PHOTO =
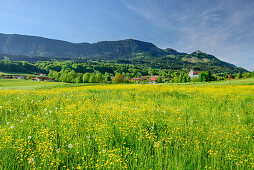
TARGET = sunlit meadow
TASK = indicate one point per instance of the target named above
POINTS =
(128, 126)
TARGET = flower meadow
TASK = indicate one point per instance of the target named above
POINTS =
(128, 127)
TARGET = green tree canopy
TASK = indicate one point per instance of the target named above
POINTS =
(86, 78)
(159, 80)
(92, 79)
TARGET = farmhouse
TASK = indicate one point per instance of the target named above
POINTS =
(44, 79)
(193, 73)
(20, 77)
(139, 78)
(153, 79)
(40, 78)
(42, 74)
(49, 79)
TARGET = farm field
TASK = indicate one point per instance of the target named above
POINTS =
(17, 84)
(128, 127)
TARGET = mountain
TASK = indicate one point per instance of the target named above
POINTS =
(15, 44)
(33, 48)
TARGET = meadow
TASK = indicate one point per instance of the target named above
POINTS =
(200, 126)
(23, 84)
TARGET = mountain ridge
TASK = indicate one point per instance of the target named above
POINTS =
(128, 49)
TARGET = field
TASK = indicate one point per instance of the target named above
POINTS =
(16, 84)
(200, 126)
(22, 84)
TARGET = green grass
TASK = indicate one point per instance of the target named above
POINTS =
(249, 81)
(128, 127)
(20, 84)
(17, 84)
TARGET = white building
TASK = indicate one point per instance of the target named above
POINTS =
(21, 77)
(193, 73)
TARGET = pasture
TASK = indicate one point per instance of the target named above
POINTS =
(128, 127)
(17, 84)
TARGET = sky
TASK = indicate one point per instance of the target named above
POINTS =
(223, 28)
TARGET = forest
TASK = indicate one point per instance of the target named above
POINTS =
(98, 71)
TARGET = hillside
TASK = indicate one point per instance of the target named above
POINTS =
(15, 44)
(32, 49)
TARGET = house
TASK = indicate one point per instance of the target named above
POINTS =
(44, 79)
(149, 79)
(7, 77)
(42, 74)
(153, 79)
(20, 77)
(40, 78)
(139, 79)
(193, 73)
(49, 79)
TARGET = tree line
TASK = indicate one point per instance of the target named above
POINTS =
(104, 71)
(70, 76)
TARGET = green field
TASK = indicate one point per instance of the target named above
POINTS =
(24, 84)
(191, 126)
(17, 84)
(30, 84)
(249, 81)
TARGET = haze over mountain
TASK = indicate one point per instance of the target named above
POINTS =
(129, 49)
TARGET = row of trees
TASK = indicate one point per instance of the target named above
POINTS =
(129, 70)
(240, 75)
(136, 69)
(207, 76)
(70, 76)
(103, 71)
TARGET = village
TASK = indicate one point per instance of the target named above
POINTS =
(154, 79)
(147, 79)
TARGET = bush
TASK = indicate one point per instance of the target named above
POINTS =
(118, 79)
(194, 79)
(159, 80)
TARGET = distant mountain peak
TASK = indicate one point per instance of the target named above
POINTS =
(198, 52)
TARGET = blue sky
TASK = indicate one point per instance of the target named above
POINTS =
(224, 28)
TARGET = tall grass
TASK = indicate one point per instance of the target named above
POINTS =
(128, 126)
